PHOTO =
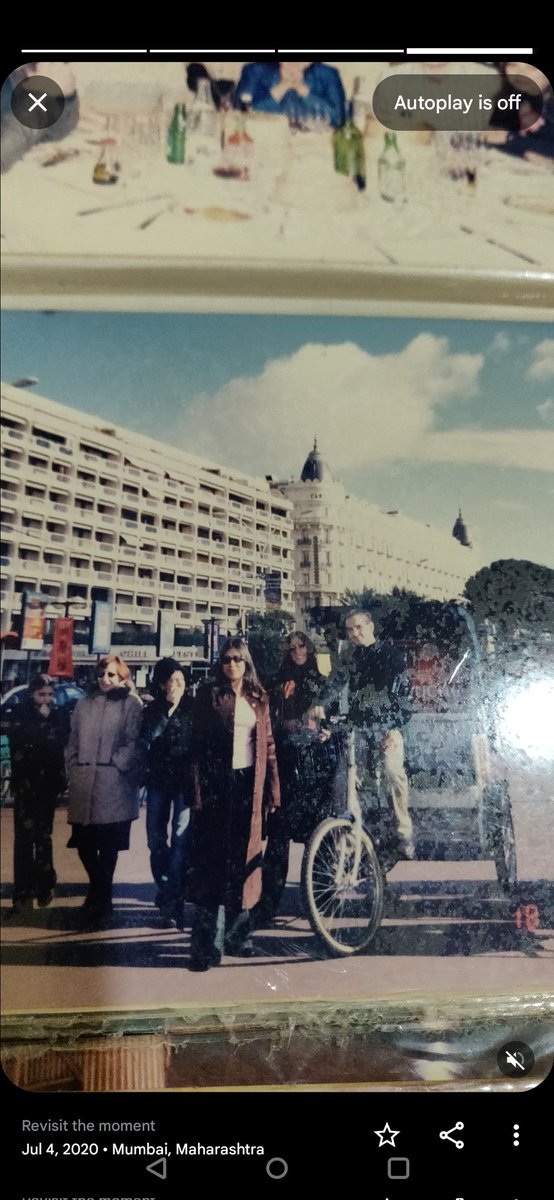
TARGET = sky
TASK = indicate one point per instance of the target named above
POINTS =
(427, 416)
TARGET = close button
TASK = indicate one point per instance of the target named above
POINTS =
(37, 102)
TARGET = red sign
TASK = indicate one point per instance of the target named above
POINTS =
(61, 656)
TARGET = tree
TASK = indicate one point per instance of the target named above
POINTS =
(266, 638)
(514, 595)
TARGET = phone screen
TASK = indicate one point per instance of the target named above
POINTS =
(277, 619)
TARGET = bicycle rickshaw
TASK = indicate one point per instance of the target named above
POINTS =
(460, 808)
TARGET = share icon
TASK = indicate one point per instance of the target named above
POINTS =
(445, 1135)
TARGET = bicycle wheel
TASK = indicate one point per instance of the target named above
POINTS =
(344, 904)
(501, 834)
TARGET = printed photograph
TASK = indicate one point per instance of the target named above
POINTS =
(277, 162)
(277, 684)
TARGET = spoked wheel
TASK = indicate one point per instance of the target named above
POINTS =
(501, 835)
(342, 885)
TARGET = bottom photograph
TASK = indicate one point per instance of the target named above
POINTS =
(277, 674)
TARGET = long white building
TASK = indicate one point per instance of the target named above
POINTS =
(93, 511)
(342, 543)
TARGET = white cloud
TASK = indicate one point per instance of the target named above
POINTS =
(527, 449)
(542, 366)
(364, 408)
(500, 342)
(546, 411)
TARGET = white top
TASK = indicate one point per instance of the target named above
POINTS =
(243, 735)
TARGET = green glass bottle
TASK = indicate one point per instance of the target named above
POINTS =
(176, 135)
(349, 151)
(392, 172)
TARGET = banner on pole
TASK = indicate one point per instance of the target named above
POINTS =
(61, 655)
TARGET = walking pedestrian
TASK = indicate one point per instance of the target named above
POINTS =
(233, 753)
(37, 742)
(104, 764)
(166, 739)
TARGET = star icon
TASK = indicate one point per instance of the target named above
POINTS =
(387, 1135)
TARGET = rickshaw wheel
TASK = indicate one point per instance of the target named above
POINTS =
(344, 911)
(501, 835)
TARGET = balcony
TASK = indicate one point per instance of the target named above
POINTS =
(28, 566)
(43, 443)
(11, 465)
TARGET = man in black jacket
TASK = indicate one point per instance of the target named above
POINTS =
(166, 738)
(373, 675)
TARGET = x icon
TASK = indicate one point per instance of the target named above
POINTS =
(38, 103)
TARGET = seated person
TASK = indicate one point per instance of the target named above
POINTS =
(527, 132)
(222, 90)
(300, 90)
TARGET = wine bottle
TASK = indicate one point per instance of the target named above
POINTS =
(392, 172)
(349, 151)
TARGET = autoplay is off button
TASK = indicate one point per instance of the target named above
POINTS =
(37, 102)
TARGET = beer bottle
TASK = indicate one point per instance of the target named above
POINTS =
(176, 135)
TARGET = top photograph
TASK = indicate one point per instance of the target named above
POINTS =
(412, 166)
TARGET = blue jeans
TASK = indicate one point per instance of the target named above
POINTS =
(164, 811)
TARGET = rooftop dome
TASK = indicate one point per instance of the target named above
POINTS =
(315, 469)
(460, 531)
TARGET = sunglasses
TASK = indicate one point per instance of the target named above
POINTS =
(110, 674)
(230, 658)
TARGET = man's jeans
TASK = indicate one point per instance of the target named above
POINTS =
(167, 859)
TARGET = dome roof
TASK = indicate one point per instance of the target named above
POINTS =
(460, 531)
(315, 469)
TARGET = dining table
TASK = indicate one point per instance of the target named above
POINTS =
(272, 196)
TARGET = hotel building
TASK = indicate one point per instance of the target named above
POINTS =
(92, 511)
(344, 544)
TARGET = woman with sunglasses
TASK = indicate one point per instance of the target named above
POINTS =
(104, 765)
(233, 753)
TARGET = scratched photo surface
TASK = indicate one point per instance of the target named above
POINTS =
(240, 163)
(368, 502)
